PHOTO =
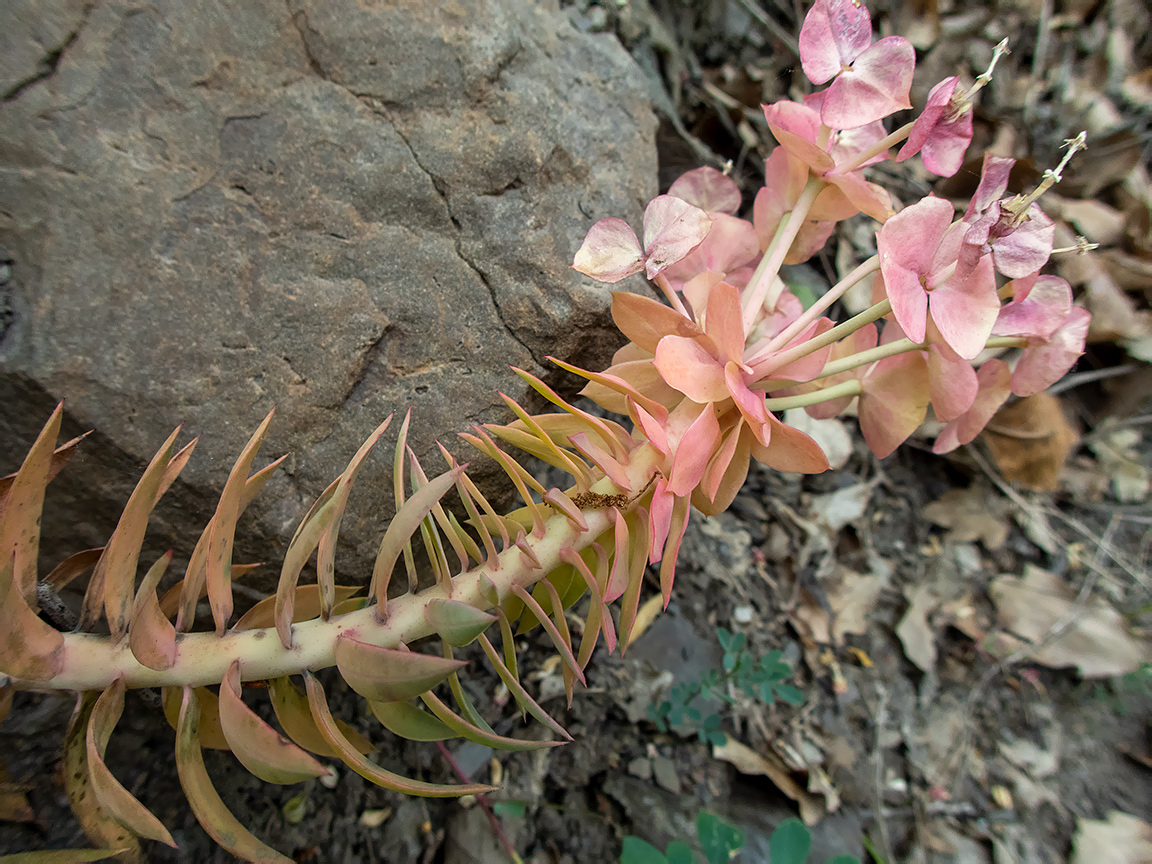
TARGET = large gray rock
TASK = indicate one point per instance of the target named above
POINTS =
(339, 208)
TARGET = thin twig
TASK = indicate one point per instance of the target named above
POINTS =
(482, 800)
(878, 751)
(1054, 632)
(788, 40)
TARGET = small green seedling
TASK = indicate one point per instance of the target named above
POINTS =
(719, 841)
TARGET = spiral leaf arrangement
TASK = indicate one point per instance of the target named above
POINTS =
(514, 571)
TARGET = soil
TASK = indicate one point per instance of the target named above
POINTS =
(973, 761)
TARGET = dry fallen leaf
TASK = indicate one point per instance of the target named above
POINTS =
(851, 598)
(975, 513)
(1095, 639)
(748, 761)
(1119, 458)
(1030, 440)
(915, 633)
(1123, 839)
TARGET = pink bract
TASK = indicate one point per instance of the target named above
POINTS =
(1040, 305)
(918, 249)
(708, 189)
(940, 137)
(672, 229)
(1043, 363)
(993, 378)
(871, 81)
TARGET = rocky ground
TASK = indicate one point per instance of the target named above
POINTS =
(970, 634)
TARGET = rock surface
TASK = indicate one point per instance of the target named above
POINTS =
(338, 208)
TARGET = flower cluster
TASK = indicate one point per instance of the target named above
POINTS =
(705, 376)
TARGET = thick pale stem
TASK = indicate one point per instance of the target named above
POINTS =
(769, 267)
(882, 146)
(670, 295)
(873, 313)
(820, 306)
(844, 388)
(92, 662)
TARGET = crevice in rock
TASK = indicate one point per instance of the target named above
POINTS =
(376, 108)
(300, 22)
(361, 371)
(50, 61)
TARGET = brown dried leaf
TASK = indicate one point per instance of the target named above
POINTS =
(113, 797)
(101, 828)
(211, 735)
(260, 748)
(1121, 839)
(971, 514)
(29, 647)
(14, 806)
(20, 525)
(1030, 440)
(748, 761)
(209, 810)
(851, 598)
(151, 635)
(1096, 639)
(915, 634)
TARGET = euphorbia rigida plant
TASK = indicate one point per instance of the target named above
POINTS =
(702, 382)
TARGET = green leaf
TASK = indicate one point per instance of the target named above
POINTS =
(717, 739)
(790, 844)
(729, 662)
(679, 852)
(718, 838)
(509, 809)
(636, 851)
(791, 695)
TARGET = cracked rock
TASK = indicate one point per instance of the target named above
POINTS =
(335, 208)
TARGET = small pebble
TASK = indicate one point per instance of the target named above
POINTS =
(743, 614)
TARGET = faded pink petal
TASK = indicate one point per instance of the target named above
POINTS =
(672, 229)
(1026, 248)
(877, 85)
(908, 297)
(749, 402)
(1044, 364)
(965, 309)
(687, 367)
(796, 126)
(724, 321)
(894, 402)
(911, 237)
(847, 144)
(789, 449)
(811, 239)
(993, 183)
(993, 378)
(1037, 311)
(942, 137)
(652, 429)
(726, 473)
(708, 189)
(646, 321)
(731, 243)
(834, 33)
(784, 179)
(660, 512)
(610, 252)
(693, 452)
(869, 198)
(952, 381)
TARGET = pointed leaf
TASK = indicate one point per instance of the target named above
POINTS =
(101, 828)
(29, 647)
(457, 623)
(389, 674)
(316, 521)
(205, 802)
(305, 607)
(474, 733)
(73, 567)
(20, 508)
(211, 736)
(61, 856)
(260, 748)
(564, 646)
(522, 697)
(113, 584)
(295, 718)
(369, 771)
(113, 797)
(151, 635)
(403, 525)
(408, 721)
(218, 563)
